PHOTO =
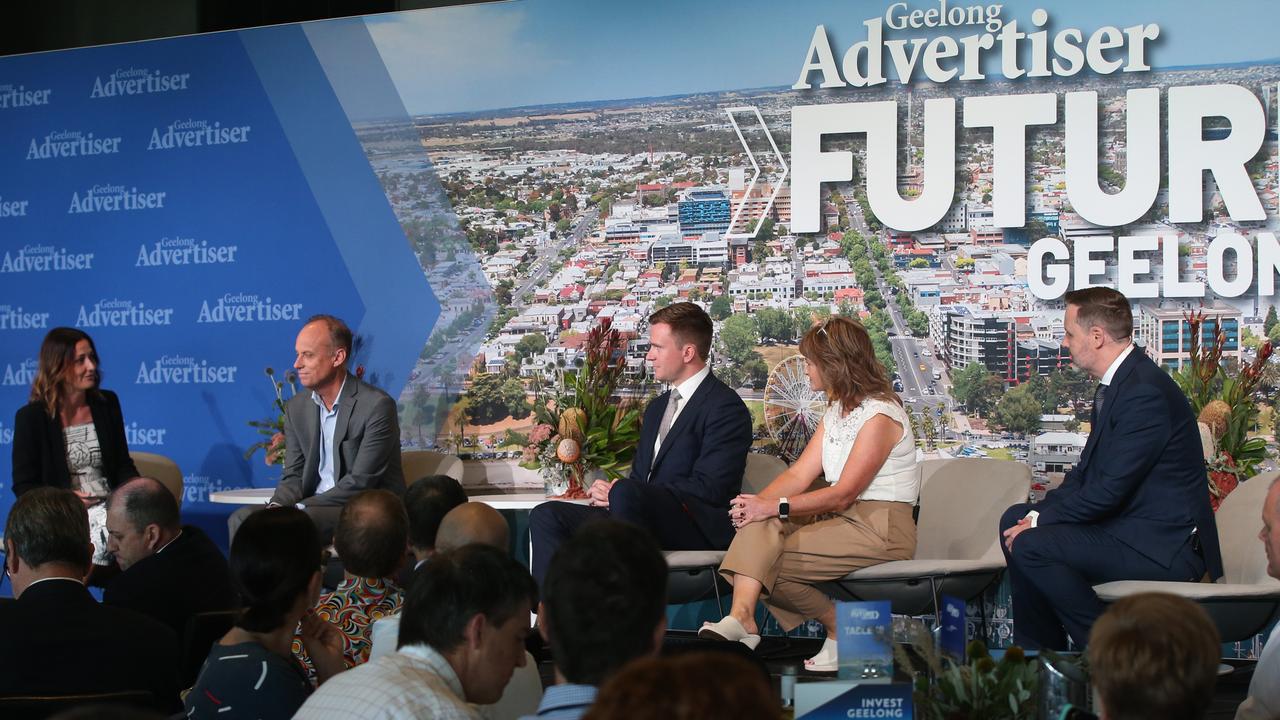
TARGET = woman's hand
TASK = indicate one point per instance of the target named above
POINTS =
(747, 508)
(323, 641)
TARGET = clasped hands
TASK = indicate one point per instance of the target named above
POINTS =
(747, 508)
(598, 493)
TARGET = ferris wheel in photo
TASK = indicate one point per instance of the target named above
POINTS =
(792, 408)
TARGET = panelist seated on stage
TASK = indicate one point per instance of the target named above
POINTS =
(71, 434)
(55, 639)
(790, 538)
(690, 459)
(171, 571)
(340, 438)
(1134, 507)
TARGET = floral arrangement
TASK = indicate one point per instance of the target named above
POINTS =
(273, 427)
(583, 431)
(979, 688)
(1226, 402)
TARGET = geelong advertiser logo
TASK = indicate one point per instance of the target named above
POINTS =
(44, 258)
(6, 435)
(20, 375)
(246, 307)
(71, 143)
(137, 435)
(137, 81)
(122, 313)
(182, 370)
(15, 318)
(20, 96)
(13, 208)
(197, 133)
(184, 251)
(114, 198)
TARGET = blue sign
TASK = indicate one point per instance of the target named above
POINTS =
(885, 702)
(951, 641)
(865, 645)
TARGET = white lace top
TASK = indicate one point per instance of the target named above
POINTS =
(898, 479)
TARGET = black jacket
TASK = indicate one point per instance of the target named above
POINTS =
(40, 451)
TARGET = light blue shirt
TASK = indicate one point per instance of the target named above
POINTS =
(328, 423)
(565, 702)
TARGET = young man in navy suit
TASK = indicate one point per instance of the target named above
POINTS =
(689, 463)
(1136, 505)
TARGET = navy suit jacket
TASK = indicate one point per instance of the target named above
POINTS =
(1141, 477)
(703, 457)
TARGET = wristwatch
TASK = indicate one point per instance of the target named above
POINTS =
(784, 508)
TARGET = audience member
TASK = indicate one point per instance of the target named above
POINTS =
(171, 571)
(341, 438)
(605, 604)
(865, 448)
(276, 563)
(691, 686)
(71, 433)
(462, 634)
(689, 461)
(1153, 656)
(371, 538)
(54, 638)
(1133, 508)
(1263, 702)
(428, 500)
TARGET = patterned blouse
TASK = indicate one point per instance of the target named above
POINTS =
(353, 607)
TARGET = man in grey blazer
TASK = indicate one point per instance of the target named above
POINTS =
(340, 438)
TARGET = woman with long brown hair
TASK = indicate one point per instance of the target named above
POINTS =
(71, 433)
(790, 538)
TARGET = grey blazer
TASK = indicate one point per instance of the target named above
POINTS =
(366, 443)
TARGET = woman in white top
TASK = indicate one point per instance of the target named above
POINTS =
(790, 538)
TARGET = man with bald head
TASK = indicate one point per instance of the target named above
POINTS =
(171, 571)
(371, 538)
(473, 523)
(340, 438)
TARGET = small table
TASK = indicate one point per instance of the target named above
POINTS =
(242, 496)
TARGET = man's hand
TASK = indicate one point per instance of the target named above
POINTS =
(1013, 532)
(599, 493)
(323, 641)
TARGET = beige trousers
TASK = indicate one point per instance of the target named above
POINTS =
(789, 557)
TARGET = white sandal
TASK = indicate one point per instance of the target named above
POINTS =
(729, 629)
(826, 660)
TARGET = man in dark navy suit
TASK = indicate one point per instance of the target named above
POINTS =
(689, 463)
(1136, 505)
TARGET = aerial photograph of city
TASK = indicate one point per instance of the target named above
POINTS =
(541, 222)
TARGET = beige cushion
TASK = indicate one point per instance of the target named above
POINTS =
(418, 464)
(909, 569)
(1112, 591)
(161, 468)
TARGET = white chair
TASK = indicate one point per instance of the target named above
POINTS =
(161, 468)
(957, 537)
(692, 574)
(418, 464)
(1246, 600)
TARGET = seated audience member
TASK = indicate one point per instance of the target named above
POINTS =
(1263, 702)
(605, 605)
(691, 686)
(462, 634)
(465, 524)
(1155, 656)
(276, 563)
(371, 538)
(427, 502)
(340, 438)
(54, 638)
(171, 571)
(790, 538)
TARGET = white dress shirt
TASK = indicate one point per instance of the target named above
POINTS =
(686, 390)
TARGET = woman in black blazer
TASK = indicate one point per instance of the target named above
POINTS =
(71, 433)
